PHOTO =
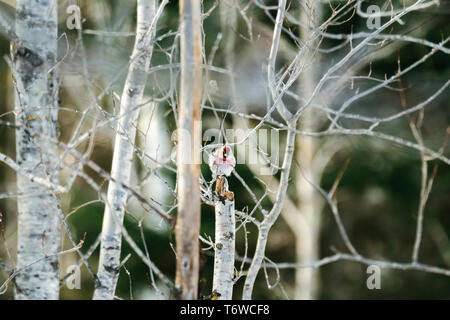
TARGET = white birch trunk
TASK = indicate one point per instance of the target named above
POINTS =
(225, 219)
(188, 152)
(36, 107)
(224, 247)
(310, 204)
(132, 94)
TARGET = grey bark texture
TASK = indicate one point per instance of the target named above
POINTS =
(36, 107)
(224, 244)
(132, 94)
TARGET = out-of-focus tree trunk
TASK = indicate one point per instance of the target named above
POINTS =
(310, 203)
(228, 23)
(188, 152)
(132, 94)
(36, 106)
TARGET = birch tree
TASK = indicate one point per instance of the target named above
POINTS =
(224, 248)
(310, 203)
(36, 107)
(123, 150)
(306, 72)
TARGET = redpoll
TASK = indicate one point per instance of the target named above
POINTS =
(222, 162)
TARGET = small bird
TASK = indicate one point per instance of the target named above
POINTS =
(222, 162)
(222, 190)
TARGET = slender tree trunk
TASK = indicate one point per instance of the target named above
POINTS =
(310, 203)
(224, 245)
(36, 107)
(188, 153)
(309, 206)
(132, 94)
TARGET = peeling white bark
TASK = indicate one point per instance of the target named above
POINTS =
(132, 94)
(224, 247)
(36, 107)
